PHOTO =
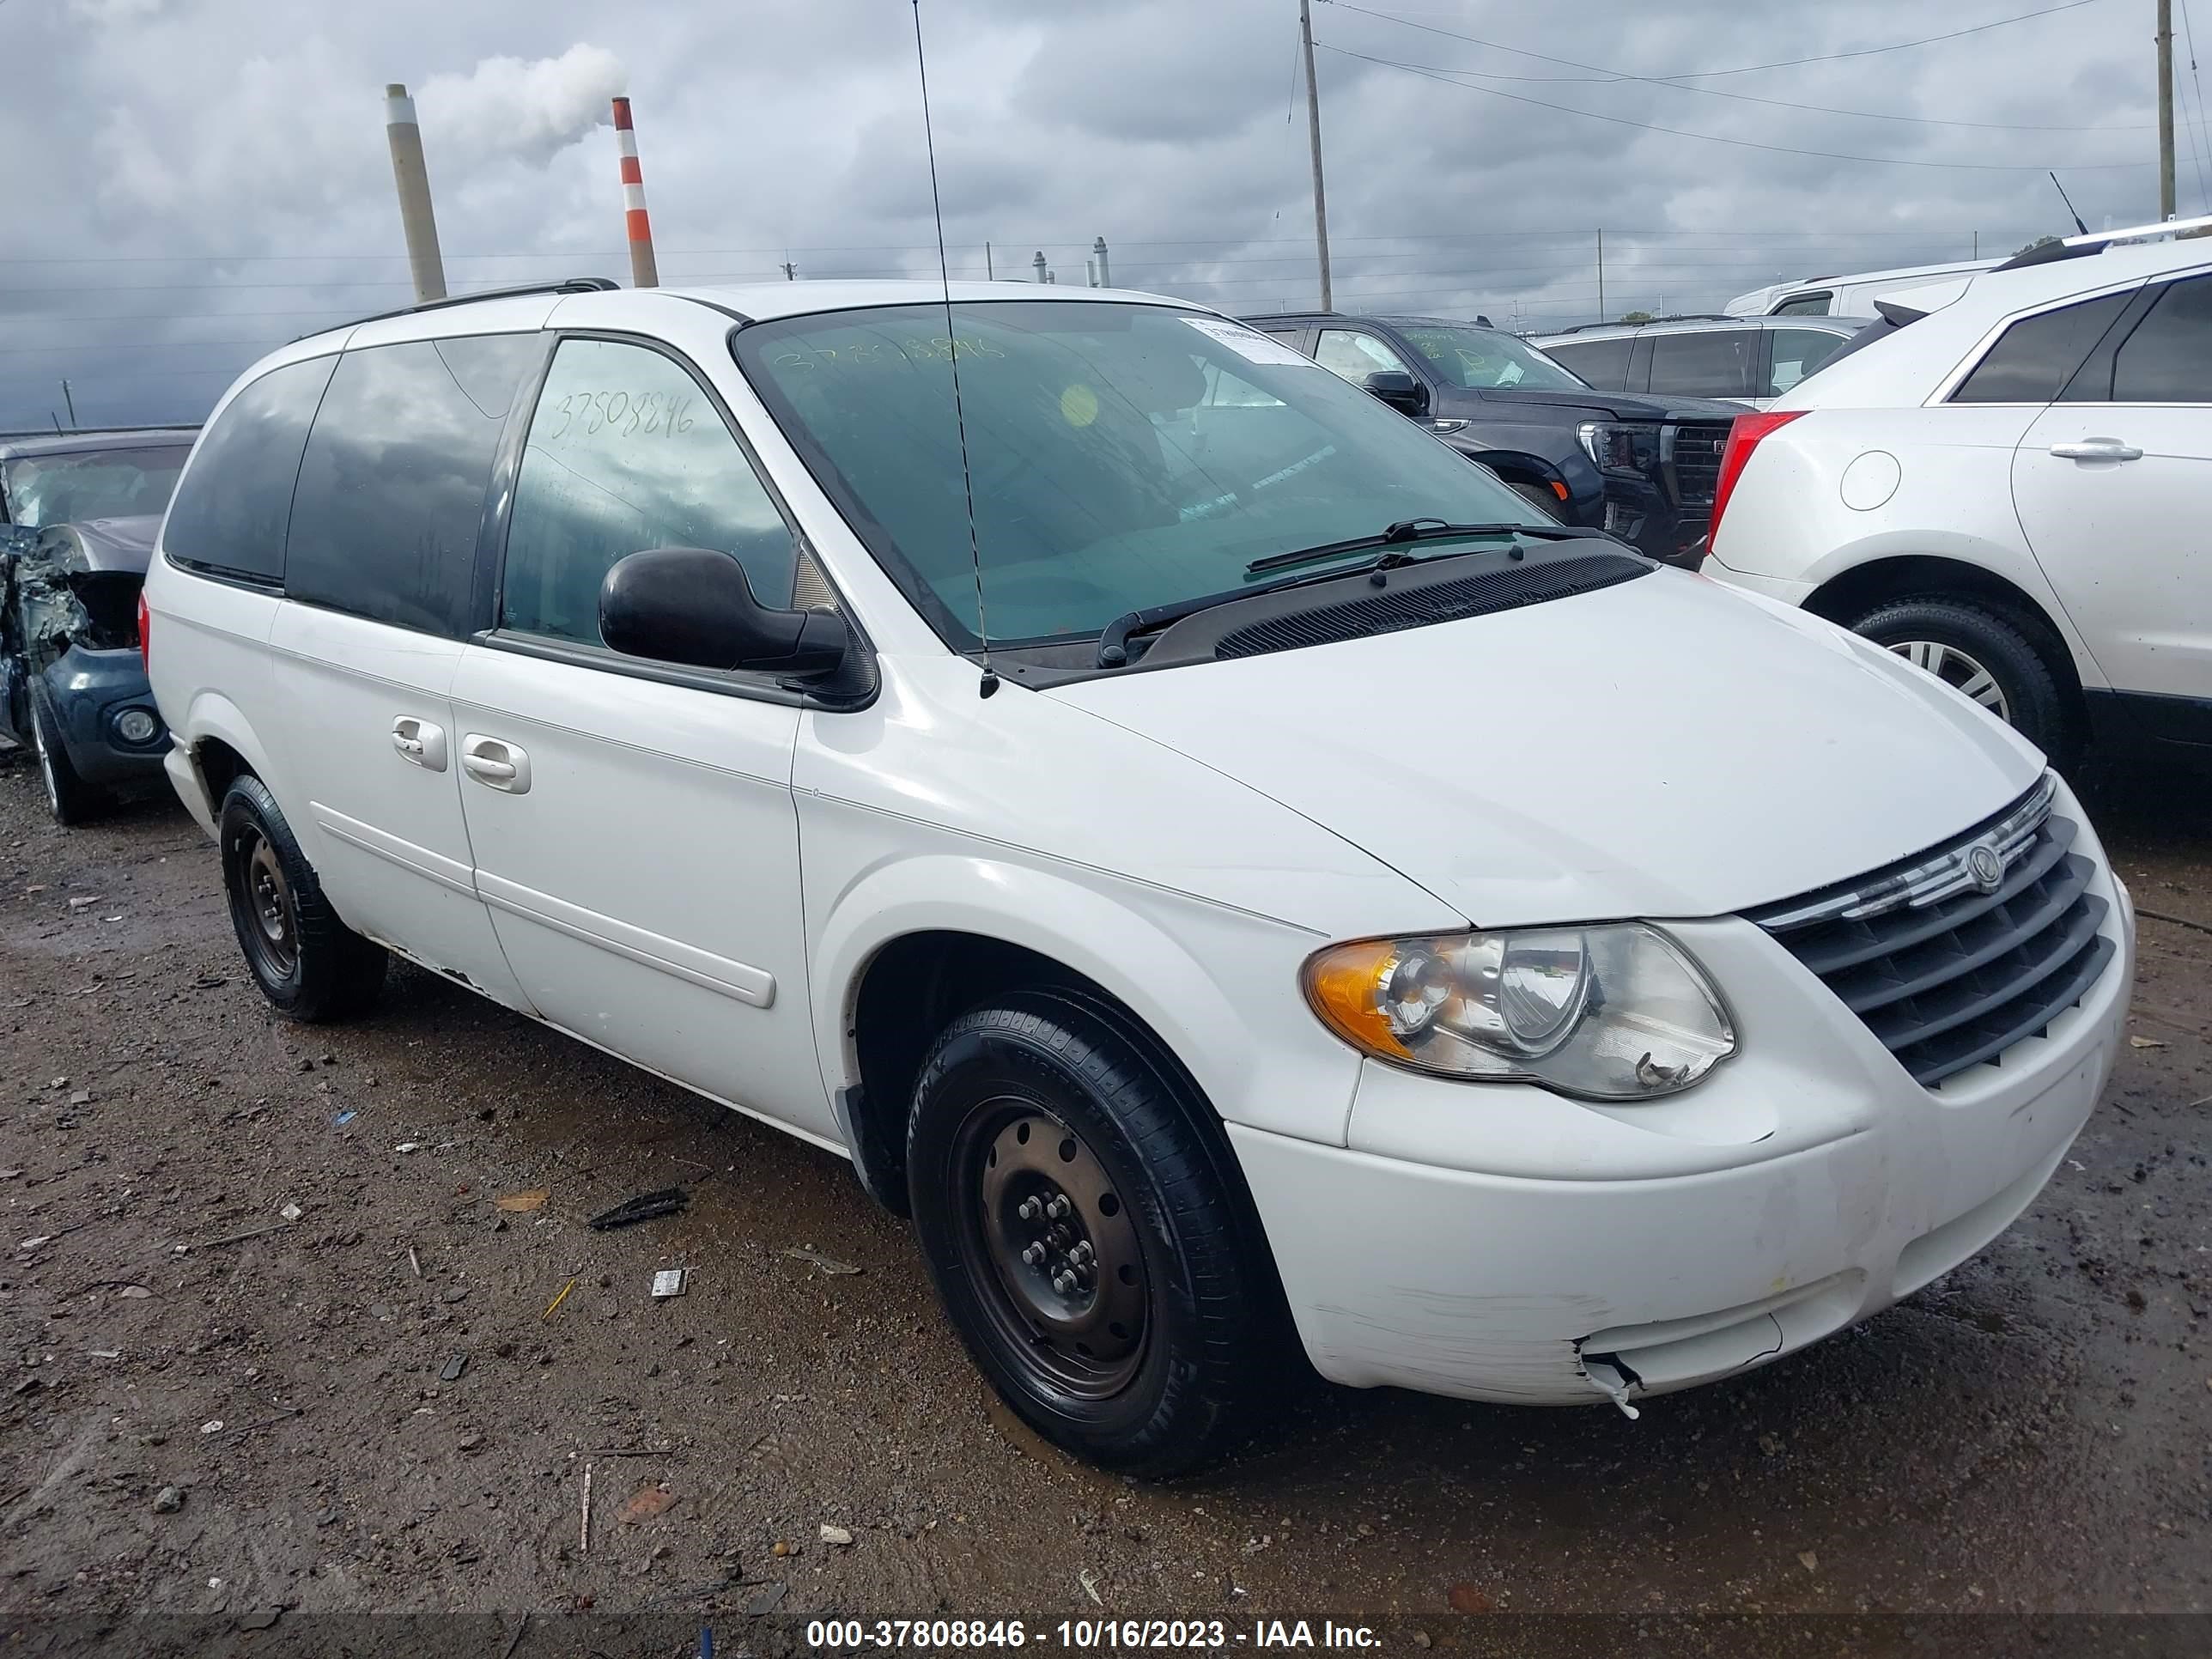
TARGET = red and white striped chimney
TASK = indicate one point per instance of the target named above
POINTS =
(643, 272)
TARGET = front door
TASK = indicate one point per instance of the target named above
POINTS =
(2113, 485)
(633, 824)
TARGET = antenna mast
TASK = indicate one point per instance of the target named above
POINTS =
(952, 354)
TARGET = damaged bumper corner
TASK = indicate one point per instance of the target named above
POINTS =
(70, 644)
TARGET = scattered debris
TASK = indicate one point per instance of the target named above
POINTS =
(168, 1501)
(454, 1367)
(408, 1147)
(1088, 1580)
(767, 1602)
(134, 1293)
(522, 1203)
(1809, 1560)
(2146, 1042)
(213, 1426)
(828, 1264)
(81, 1098)
(291, 1212)
(1465, 1598)
(841, 1536)
(781, 1549)
(668, 1282)
(647, 1503)
(251, 1232)
(583, 1536)
(343, 1119)
(647, 1206)
(210, 981)
(555, 1304)
(414, 1261)
(1770, 1445)
(471, 1441)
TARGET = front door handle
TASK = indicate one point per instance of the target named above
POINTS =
(420, 743)
(2097, 449)
(496, 763)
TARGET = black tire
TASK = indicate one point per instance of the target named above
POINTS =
(68, 797)
(1537, 494)
(309, 964)
(1177, 1384)
(2027, 678)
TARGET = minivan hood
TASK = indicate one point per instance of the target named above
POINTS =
(1615, 405)
(1665, 747)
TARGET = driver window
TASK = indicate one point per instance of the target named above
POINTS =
(626, 452)
(1354, 356)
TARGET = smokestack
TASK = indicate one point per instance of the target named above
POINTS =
(643, 272)
(412, 175)
(1098, 258)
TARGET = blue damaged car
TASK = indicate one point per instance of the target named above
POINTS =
(78, 515)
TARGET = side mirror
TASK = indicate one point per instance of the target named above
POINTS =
(691, 605)
(1399, 389)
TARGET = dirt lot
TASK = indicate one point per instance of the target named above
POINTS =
(210, 1411)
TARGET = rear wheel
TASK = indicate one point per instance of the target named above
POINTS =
(1537, 493)
(309, 964)
(1084, 1236)
(68, 797)
(1986, 655)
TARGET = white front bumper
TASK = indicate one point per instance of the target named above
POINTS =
(1484, 1241)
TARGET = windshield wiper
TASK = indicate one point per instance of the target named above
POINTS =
(1114, 642)
(1406, 532)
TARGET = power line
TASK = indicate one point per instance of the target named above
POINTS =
(1614, 76)
(2198, 139)
(1738, 144)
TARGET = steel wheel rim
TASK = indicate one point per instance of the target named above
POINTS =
(1060, 1267)
(47, 774)
(272, 920)
(1959, 670)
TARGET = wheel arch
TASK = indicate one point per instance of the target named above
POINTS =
(223, 744)
(1852, 592)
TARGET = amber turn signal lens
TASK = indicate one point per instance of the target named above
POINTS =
(1343, 984)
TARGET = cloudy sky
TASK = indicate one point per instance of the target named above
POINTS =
(192, 180)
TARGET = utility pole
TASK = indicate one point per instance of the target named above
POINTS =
(1603, 315)
(412, 176)
(71, 403)
(790, 272)
(989, 274)
(2166, 109)
(1313, 134)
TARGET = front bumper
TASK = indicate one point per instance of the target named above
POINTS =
(1500, 1242)
(88, 690)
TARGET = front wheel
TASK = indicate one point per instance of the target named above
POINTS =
(1984, 655)
(1085, 1235)
(308, 964)
(68, 797)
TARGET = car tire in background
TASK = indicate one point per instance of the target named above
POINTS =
(1089, 1234)
(309, 964)
(1983, 651)
(68, 797)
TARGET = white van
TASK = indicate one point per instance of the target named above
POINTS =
(1224, 865)
(1851, 295)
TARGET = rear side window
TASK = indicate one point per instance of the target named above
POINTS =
(1717, 363)
(1804, 305)
(391, 491)
(229, 516)
(2168, 357)
(627, 452)
(1797, 353)
(1603, 363)
(2037, 356)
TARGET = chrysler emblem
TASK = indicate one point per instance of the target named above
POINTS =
(1983, 865)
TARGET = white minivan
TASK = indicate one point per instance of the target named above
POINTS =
(1229, 868)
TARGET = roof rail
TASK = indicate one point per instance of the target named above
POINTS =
(566, 285)
(2096, 241)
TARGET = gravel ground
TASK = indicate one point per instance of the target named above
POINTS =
(378, 1407)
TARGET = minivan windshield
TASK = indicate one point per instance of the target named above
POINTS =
(1122, 456)
(67, 488)
(1484, 358)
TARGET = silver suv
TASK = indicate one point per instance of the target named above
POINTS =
(1747, 360)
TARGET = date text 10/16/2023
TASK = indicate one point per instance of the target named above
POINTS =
(1215, 1635)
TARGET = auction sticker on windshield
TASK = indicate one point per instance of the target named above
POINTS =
(1248, 344)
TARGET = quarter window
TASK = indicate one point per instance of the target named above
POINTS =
(626, 452)
(1805, 305)
(2038, 355)
(2168, 357)
(1354, 355)
(231, 512)
(1713, 363)
(390, 499)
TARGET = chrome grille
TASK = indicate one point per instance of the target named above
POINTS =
(1952, 957)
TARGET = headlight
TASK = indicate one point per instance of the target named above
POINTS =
(1622, 448)
(1616, 1013)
